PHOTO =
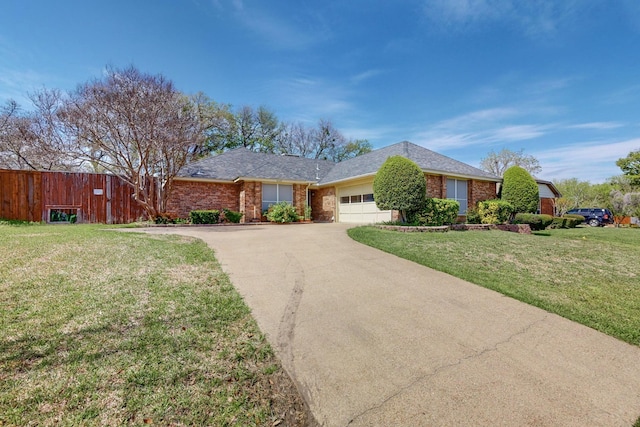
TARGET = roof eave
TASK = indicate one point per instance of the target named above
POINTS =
(203, 179)
(273, 180)
(427, 171)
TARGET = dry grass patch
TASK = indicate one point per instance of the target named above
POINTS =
(106, 328)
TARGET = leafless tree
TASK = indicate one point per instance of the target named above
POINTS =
(321, 142)
(296, 139)
(21, 146)
(497, 163)
(136, 126)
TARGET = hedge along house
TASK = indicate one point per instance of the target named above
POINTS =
(249, 182)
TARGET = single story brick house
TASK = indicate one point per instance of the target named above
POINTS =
(249, 182)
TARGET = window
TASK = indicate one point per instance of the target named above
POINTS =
(356, 198)
(63, 215)
(457, 190)
(275, 193)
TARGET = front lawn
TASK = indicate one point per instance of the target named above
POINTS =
(589, 275)
(100, 327)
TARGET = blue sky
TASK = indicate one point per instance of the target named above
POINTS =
(559, 79)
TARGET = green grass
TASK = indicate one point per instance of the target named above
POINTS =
(100, 327)
(589, 275)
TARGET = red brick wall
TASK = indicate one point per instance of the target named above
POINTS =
(323, 203)
(436, 186)
(251, 201)
(480, 190)
(187, 196)
(547, 206)
(300, 197)
(477, 190)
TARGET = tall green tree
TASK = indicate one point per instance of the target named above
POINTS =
(352, 148)
(630, 166)
(399, 185)
(520, 189)
(583, 194)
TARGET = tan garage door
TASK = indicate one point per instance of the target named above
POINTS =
(356, 205)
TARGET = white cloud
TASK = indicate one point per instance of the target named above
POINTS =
(365, 75)
(596, 126)
(310, 99)
(17, 84)
(276, 32)
(593, 161)
(482, 127)
(538, 19)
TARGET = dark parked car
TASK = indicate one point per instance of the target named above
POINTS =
(595, 217)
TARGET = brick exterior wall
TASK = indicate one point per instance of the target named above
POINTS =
(436, 186)
(246, 197)
(480, 190)
(547, 206)
(187, 196)
(323, 203)
(300, 197)
(476, 190)
(251, 201)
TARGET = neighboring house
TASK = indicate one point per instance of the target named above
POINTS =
(548, 195)
(249, 182)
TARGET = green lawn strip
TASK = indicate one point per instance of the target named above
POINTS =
(105, 328)
(589, 275)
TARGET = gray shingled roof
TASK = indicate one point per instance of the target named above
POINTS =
(427, 160)
(243, 163)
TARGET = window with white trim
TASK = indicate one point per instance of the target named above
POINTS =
(357, 198)
(276, 193)
(457, 190)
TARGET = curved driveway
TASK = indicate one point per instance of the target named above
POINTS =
(374, 340)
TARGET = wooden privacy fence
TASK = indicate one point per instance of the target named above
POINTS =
(66, 197)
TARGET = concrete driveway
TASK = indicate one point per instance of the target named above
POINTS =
(374, 340)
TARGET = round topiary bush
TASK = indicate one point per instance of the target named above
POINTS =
(520, 189)
(399, 185)
(282, 212)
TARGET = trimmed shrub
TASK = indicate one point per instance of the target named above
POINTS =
(282, 212)
(205, 217)
(165, 218)
(574, 216)
(520, 189)
(535, 221)
(232, 216)
(435, 212)
(473, 217)
(400, 185)
(494, 211)
(566, 221)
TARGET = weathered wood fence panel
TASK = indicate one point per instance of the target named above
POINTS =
(94, 198)
(20, 195)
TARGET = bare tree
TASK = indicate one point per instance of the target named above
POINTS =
(322, 142)
(497, 163)
(136, 126)
(21, 145)
(296, 139)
